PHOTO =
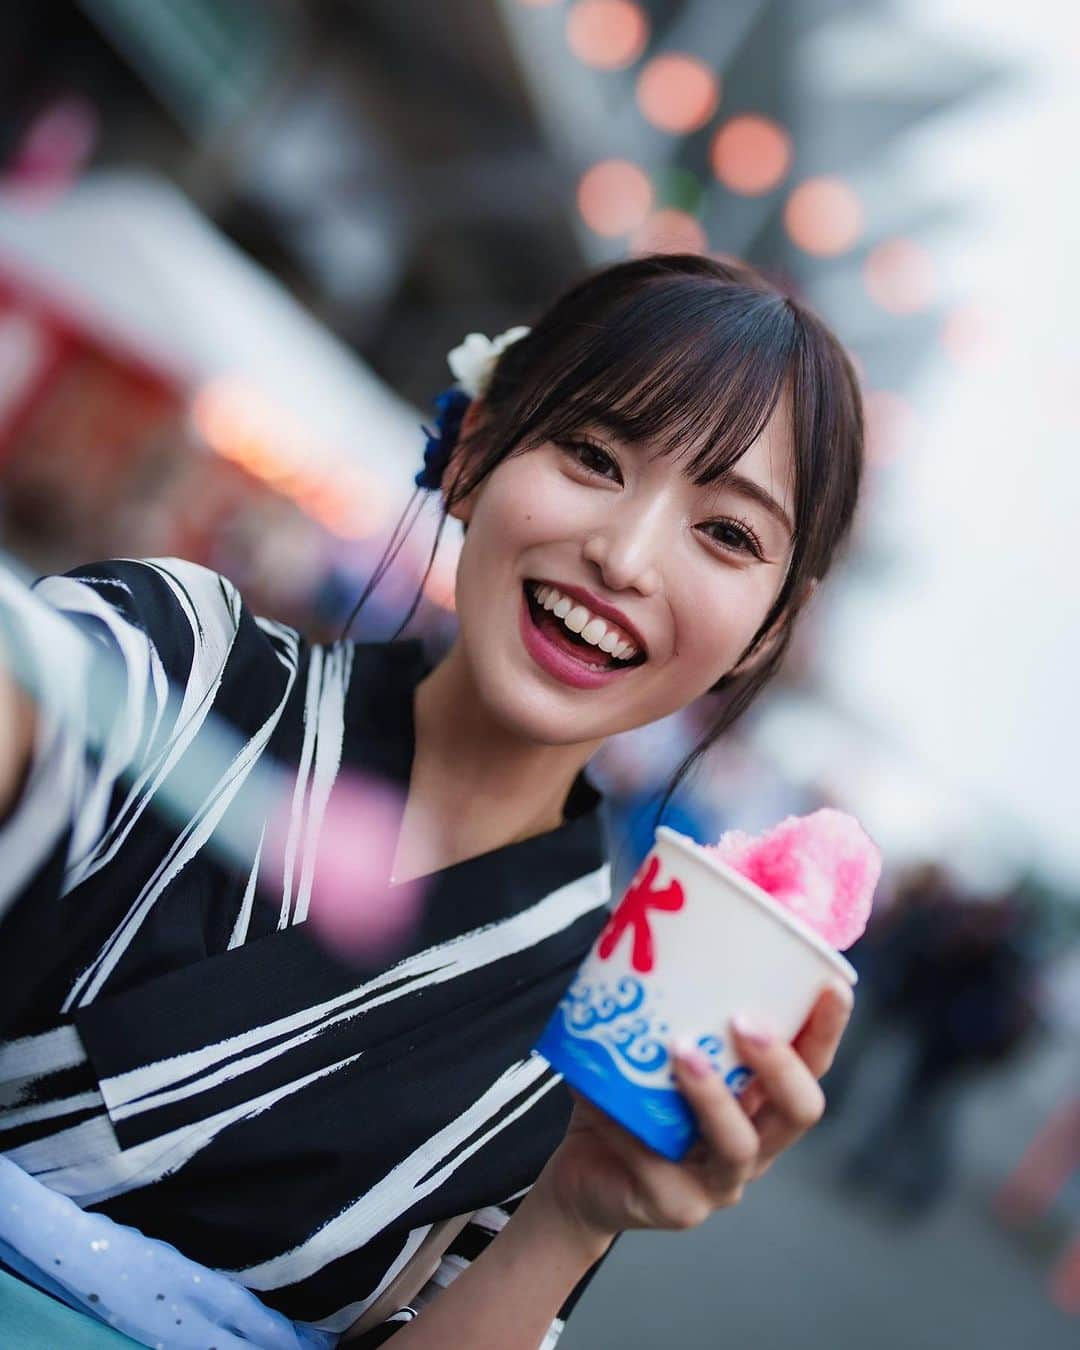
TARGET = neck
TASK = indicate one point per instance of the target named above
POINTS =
(483, 785)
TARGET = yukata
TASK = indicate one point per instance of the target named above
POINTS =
(178, 1053)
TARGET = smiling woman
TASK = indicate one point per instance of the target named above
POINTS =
(651, 481)
(677, 444)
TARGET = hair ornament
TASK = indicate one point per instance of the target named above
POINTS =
(471, 363)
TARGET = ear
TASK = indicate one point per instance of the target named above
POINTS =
(470, 424)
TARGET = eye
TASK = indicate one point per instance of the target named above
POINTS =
(740, 538)
(592, 459)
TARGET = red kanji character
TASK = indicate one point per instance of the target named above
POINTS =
(633, 913)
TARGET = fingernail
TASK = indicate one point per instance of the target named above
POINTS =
(692, 1059)
(844, 994)
(750, 1032)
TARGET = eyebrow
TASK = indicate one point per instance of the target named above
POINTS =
(746, 487)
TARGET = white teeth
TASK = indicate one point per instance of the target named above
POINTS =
(579, 620)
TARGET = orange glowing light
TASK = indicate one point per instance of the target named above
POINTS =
(751, 155)
(607, 34)
(677, 93)
(670, 231)
(238, 422)
(824, 216)
(899, 274)
(614, 197)
(891, 425)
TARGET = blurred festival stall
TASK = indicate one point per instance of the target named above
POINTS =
(162, 394)
(238, 238)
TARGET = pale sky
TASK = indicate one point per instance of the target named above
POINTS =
(967, 656)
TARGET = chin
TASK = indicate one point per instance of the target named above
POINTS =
(524, 709)
(530, 714)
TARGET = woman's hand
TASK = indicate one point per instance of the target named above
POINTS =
(606, 1180)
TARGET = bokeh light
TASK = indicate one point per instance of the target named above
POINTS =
(539, 4)
(677, 92)
(614, 197)
(823, 216)
(607, 34)
(892, 425)
(441, 582)
(899, 275)
(751, 154)
(242, 424)
(348, 858)
(670, 231)
(971, 336)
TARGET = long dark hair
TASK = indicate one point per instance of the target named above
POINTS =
(692, 355)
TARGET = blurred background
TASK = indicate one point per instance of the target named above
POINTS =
(237, 240)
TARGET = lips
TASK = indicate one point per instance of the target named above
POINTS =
(600, 608)
(556, 631)
(554, 651)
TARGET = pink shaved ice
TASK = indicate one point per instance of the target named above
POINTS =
(822, 867)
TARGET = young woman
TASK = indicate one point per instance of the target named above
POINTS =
(652, 481)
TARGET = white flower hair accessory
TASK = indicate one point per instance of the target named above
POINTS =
(474, 360)
(472, 364)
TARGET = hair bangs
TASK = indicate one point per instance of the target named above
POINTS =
(693, 372)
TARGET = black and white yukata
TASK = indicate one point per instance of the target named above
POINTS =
(183, 1056)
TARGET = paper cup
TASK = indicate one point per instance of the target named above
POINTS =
(691, 944)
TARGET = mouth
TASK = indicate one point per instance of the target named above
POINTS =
(565, 654)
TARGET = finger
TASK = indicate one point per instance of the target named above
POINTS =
(730, 1137)
(794, 1101)
(752, 1098)
(817, 1042)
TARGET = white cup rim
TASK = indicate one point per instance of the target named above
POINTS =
(763, 899)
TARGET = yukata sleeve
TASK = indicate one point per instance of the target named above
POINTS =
(138, 1285)
(465, 1248)
(124, 661)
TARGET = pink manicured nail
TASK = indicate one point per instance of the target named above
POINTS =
(749, 1032)
(844, 994)
(687, 1053)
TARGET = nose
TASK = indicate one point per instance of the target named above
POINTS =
(627, 548)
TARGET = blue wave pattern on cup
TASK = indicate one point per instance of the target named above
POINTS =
(608, 1044)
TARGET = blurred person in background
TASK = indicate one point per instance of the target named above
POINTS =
(954, 973)
(190, 1077)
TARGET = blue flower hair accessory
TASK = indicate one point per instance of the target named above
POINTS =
(452, 405)
(472, 363)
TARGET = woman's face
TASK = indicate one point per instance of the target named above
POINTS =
(693, 569)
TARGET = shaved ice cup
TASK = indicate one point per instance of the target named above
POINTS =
(691, 945)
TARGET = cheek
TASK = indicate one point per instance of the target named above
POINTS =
(717, 620)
